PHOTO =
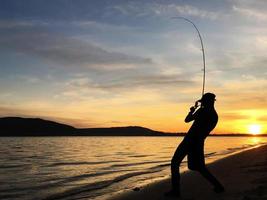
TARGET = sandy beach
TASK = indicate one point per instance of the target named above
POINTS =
(243, 175)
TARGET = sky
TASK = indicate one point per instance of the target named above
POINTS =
(129, 63)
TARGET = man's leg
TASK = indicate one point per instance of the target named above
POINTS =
(218, 187)
(177, 158)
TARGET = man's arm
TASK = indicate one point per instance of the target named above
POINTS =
(191, 115)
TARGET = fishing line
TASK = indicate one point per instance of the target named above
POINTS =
(202, 49)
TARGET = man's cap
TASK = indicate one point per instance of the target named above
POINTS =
(208, 96)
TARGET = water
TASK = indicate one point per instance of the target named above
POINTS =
(91, 167)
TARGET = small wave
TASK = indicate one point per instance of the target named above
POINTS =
(161, 166)
(135, 164)
(13, 166)
(233, 149)
(124, 153)
(58, 182)
(139, 156)
(98, 185)
(12, 196)
(210, 154)
(80, 163)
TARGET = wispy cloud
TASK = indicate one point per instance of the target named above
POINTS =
(251, 13)
(69, 51)
(188, 10)
(8, 24)
(253, 10)
(82, 87)
(165, 10)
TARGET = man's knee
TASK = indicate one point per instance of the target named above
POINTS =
(175, 163)
(196, 167)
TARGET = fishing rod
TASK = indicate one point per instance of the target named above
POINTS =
(202, 49)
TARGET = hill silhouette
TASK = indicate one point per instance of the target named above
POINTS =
(18, 126)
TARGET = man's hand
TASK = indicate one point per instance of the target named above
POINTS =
(189, 116)
(192, 109)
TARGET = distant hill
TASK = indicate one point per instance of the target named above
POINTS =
(17, 126)
(122, 131)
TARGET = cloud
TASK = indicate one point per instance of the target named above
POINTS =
(263, 119)
(164, 9)
(187, 10)
(69, 51)
(251, 13)
(7, 24)
(254, 10)
(83, 86)
(233, 116)
(33, 113)
(101, 26)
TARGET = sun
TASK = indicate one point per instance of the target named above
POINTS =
(254, 129)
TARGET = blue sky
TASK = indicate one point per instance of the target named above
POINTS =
(115, 63)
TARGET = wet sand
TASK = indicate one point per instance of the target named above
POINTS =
(244, 176)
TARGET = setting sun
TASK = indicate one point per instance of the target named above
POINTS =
(254, 129)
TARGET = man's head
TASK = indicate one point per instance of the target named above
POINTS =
(207, 99)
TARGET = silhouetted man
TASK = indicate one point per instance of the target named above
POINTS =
(205, 119)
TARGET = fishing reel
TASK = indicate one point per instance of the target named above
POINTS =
(197, 104)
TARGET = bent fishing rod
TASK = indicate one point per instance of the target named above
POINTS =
(202, 49)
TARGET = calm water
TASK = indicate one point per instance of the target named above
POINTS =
(91, 167)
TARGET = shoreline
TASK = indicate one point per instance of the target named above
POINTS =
(242, 174)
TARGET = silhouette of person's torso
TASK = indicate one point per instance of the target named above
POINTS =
(205, 120)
